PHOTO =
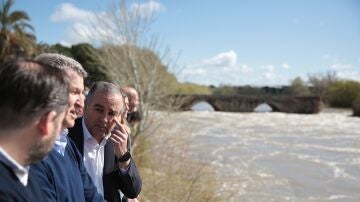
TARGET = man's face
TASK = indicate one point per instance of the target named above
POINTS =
(133, 102)
(43, 146)
(126, 102)
(101, 111)
(76, 99)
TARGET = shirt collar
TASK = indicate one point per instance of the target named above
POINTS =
(21, 172)
(61, 142)
(86, 131)
(88, 136)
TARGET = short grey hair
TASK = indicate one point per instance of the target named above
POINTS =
(62, 62)
(106, 87)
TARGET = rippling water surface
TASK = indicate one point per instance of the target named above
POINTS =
(278, 156)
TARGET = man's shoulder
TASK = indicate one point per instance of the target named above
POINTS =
(10, 190)
(6, 176)
(10, 186)
(48, 164)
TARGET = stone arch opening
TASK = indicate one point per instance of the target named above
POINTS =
(274, 107)
(266, 107)
(202, 105)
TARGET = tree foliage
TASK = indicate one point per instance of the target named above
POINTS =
(89, 57)
(299, 87)
(319, 83)
(343, 93)
(16, 38)
(141, 68)
(191, 88)
(58, 48)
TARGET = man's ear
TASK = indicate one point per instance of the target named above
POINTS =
(45, 120)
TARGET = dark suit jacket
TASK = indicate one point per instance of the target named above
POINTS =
(113, 178)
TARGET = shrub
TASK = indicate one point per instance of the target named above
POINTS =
(343, 93)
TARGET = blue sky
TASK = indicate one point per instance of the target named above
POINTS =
(234, 42)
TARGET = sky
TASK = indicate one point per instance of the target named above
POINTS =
(230, 42)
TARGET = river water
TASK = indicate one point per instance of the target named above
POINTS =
(278, 156)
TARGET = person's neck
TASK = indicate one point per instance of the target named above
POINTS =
(17, 144)
(15, 151)
(99, 138)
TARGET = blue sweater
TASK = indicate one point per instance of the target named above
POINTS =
(11, 188)
(64, 178)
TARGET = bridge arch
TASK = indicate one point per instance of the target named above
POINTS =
(200, 105)
(273, 106)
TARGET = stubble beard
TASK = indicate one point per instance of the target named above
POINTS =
(39, 150)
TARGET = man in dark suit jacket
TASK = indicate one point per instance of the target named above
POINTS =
(104, 147)
(33, 103)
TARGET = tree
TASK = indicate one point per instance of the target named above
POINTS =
(16, 38)
(58, 48)
(319, 83)
(343, 93)
(135, 57)
(90, 59)
(299, 87)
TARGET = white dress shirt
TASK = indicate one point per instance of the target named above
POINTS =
(61, 142)
(94, 158)
(21, 172)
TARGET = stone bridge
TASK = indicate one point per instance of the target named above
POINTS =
(238, 103)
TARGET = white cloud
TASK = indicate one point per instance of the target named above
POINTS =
(285, 66)
(217, 70)
(339, 66)
(269, 68)
(269, 75)
(81, 32)
(245, 68)
(81, 22)
(68, 12)
(222, 59)
(346, 71)
(349, 74)
(343, 69)
(220, 69)
(146, 9)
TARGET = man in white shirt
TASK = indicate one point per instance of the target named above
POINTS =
(33, 103)
(103, 143)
